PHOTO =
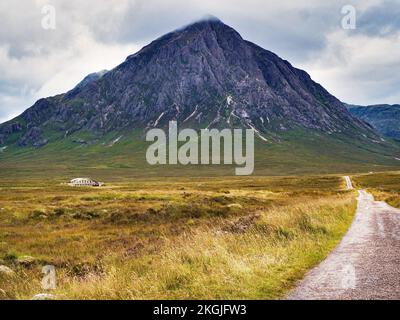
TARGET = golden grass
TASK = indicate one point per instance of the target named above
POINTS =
(261, 263)
(384, 186)
(221, 239)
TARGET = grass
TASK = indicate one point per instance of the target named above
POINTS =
(220, 238)
(384, 186)
(297, 152)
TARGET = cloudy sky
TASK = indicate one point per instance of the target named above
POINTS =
(358, 65)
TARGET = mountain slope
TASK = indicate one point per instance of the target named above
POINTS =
(384, 118)
(204, 75)
(90, 78)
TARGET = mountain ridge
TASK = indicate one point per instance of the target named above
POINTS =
(217, 78)
(384, 118)
(203, 76)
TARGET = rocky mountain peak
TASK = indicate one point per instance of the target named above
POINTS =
(203, 75)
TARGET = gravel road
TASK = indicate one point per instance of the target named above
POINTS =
(366, 264)
(349, 184)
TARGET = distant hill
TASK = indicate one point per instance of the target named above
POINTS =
(384, 118)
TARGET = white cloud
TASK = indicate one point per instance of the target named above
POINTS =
(37, 63)
(359, 69)
(85, 56)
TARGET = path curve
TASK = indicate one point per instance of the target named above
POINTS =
(366, 264)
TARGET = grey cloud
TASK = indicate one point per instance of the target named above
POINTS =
(382, 20)
(295, 33)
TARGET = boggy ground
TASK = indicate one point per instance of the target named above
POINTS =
(208, 238)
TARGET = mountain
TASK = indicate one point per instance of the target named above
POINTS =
(384, 118)
(90, 78)
(204, 75)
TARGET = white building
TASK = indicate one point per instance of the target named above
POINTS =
(84, 182)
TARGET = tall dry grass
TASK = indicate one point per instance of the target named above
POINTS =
(198, 239)
(262, 262)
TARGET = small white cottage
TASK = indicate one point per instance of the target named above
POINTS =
(85, 182)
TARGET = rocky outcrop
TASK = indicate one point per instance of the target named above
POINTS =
(10, 128)
(44, 296)
(4, 270)
(33, 137)
(26, 261)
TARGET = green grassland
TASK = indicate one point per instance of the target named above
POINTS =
(180, 237)
(293, 153)
(171, 232)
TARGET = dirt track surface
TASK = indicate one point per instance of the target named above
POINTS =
(366, 264)
(349, 184)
